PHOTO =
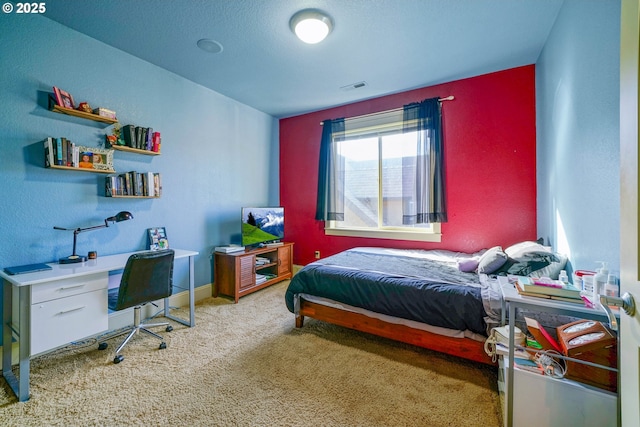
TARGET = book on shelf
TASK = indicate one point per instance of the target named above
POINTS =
(227, 249)
(128, 135)
(548, 288)
(48, 152)
(520, 352)
(148, 139)
(262, 260)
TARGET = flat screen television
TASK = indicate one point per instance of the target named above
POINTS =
(262, 225)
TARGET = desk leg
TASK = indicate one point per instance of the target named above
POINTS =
(20, 384)
(192, 319)
(510, 374)
(6, 329)
(192, 296)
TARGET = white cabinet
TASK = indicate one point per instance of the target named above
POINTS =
(540, 400)
(67, 310)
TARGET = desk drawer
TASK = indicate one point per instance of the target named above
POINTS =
(68, 287)
(61, 321)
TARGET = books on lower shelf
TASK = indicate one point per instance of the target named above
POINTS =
(262, 278)
(141, 184)
(519, 352)
(227, 249)
(547, 288)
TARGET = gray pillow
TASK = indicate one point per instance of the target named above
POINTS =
(492, 260)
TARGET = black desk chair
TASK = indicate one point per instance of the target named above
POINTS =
(147, 277)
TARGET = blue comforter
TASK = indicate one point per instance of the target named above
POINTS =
(414, 287)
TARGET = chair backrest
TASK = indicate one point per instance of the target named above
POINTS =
(148, 276)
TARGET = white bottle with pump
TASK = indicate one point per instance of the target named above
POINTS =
(611, 289)
(600, 280)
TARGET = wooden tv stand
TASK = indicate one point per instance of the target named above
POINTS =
(235, 273)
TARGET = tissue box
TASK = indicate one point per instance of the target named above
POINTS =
(105, 113)
(591, 341)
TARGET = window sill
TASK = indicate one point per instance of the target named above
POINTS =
(384, 234)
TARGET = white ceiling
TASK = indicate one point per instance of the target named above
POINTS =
(392, 45)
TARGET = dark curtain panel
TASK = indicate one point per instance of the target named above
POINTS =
(330, 201)
(423, 185)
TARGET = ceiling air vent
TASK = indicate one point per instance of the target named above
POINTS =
(353, 86)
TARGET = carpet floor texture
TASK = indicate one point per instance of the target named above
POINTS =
(245, 364)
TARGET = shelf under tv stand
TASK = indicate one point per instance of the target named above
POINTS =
(235, 272)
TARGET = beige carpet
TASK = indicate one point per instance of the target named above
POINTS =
(246, 365)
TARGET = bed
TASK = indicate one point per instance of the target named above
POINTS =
(441, 300)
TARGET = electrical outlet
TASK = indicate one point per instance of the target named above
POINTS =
(317, 254)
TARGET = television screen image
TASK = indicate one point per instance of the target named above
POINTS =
(262, 225)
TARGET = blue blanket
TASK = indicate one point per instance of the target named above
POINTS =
(431, 291)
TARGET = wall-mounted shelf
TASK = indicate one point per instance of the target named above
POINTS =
(134, 197)
(134, 150)
(69, 168)
(77, 113)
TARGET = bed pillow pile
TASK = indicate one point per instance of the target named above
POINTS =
(492, 260)
(532, 259)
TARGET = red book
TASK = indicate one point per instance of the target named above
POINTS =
(541, 335)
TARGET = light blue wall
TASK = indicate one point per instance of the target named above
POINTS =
(217, 154)
(577, 90)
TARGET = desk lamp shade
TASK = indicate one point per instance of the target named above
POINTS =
(74, 257)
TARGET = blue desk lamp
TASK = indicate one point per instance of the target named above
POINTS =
(73, 258)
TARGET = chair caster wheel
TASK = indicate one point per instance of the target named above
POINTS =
(163, 345)
(169, 328)
(119, 358)
(103, 346)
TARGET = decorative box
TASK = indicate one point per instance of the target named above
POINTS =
(105, 113)
(590, 341)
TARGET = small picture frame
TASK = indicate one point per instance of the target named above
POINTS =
(158, 239)
(95, 158)
(64, 99)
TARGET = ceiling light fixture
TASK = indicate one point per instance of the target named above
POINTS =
(209, 45)
(311, 25)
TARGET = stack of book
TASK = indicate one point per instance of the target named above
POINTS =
(546, 288)
(262, 260)
(261, 278)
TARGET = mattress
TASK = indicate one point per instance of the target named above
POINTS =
(423, 287)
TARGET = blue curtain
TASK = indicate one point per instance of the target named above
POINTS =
(423, 184)
(330, 201)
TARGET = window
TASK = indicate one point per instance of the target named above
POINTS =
(378, 169)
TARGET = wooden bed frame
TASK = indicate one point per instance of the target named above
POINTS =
(460, 347)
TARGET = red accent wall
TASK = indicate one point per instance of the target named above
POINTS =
(490, 165)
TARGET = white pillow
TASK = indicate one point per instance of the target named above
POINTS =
(519, 249)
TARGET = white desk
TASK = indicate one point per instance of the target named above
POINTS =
(67, 303)
(513, 299)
